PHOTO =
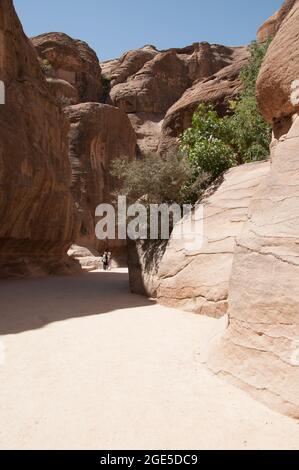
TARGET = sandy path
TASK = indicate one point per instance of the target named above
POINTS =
(87, 365)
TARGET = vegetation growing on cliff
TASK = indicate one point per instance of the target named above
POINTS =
(213, 143)
(153, 179)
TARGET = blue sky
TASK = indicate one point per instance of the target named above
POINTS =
(112, 27)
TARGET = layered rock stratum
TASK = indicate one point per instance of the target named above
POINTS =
(260, 351)
(71, 66)
(160, 90)
(36, 207)
(196, 279)
(98, 134)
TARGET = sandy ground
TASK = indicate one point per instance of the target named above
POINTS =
(86, 365)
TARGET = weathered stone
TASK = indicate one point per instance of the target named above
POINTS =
(144, 257)
(146, 83)
(280, 70)
(271, 26)
(71, 60)
(99, 133)
(198, 280)
(217, 90)
(36, 207)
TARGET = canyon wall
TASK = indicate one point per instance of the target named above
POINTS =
(197, 279)
(71, 67)
(99, 133)
(260, 350)
(36, 208)
(160, 90)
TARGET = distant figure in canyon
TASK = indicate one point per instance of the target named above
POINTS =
(107, 257)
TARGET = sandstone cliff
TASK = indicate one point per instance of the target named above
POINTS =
(36, 207)
(260, 350)
(99, 133)
(198, 280)
(71, 66)
(159, 90)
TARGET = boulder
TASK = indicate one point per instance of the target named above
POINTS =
(36, 207)
(88, 260)
(197, 279)
(98, 134)
(73, 61)
(144, 257)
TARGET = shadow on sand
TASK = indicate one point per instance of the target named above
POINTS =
(33, 303)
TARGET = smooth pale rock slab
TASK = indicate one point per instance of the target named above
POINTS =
(198, 280)
(260, 350)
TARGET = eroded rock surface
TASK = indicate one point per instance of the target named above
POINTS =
(147, 83)
(36, 207)
(260, 350)
(280, 70)
(73, 61)
(99, 133)
(272, 25)
(197, 279)
(217, 90)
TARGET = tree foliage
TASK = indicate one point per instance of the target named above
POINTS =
(152, 179)
(213, 143)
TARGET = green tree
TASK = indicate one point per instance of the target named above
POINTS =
(250, 134)
(213, 143)
(152, 179)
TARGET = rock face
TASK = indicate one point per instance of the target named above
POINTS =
(197, 280)
(272, 25)
(144, 258)
(36, 207)
(72, 61)
(280, 70)
(99, 133)
(217, 90)
(260, 350)
(147, 83)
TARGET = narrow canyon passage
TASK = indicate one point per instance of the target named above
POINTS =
(85, 364)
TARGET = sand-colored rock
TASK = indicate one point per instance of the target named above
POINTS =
(272, 25)
(144, 258)
(71, 60)
(119, 70)
(217, 90)
(88, 260)
(99, 133)
(260, 351)
(36, 207)
(197, 279)
(280, 69)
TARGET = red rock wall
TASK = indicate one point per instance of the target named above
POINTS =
(36, 207)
